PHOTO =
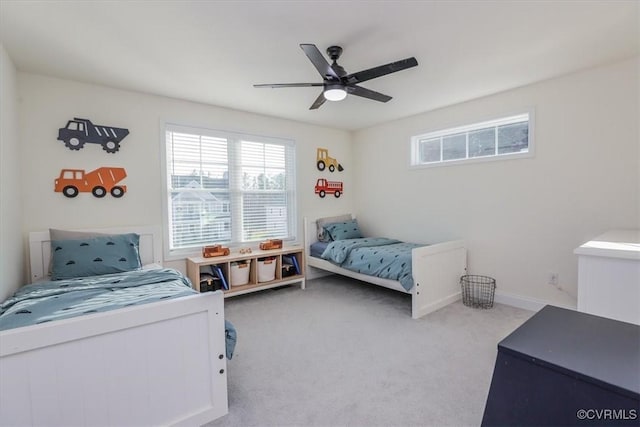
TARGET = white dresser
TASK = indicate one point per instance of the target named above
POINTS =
(609, 276)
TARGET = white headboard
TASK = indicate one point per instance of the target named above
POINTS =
(40, 248)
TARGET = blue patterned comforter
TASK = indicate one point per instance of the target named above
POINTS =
(61, 299)
(374, 256)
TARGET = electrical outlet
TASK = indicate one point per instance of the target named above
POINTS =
(553, 279)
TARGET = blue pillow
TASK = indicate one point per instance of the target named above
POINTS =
(95, 256)
(343, 230)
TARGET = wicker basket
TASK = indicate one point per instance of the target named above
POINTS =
(478, 291)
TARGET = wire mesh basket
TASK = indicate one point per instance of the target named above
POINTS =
(478, 291)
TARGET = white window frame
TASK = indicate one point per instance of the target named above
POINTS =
(503, 119)
(182, 253)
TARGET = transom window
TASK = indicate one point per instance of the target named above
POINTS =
(227, 188)
(508, 136)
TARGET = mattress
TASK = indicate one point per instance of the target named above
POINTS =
(316, 249)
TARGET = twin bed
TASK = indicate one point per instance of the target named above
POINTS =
(430, 274)
(158, 363)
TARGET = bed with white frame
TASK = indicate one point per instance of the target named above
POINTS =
(160, 363)
(436, 271)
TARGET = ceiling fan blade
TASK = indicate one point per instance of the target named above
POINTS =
(382, 70)
(366, 93)
(318, 102)
(277, 85)
(319, 62)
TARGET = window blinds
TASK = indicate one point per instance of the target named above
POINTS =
(228, 188)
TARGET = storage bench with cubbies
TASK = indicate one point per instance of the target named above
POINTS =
(244, 273)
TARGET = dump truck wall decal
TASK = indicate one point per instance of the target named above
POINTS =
(80, 131)
(99, 182)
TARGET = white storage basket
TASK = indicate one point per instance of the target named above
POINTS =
(266, 269)
(240, 274)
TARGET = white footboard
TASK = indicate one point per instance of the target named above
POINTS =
(155, 364)
(436, 274)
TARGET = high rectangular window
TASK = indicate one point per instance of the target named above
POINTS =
(494, 139)
(227, 188)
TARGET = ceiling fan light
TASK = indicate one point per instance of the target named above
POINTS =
(335, 93)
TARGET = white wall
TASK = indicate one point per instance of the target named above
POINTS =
(522, 219)
(11, 244)
(48, 103)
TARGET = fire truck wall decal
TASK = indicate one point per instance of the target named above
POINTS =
(323, 161)
(324, 187)
(99, 182)
(80, 131)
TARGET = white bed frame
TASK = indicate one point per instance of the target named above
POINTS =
(161, 363)
(436, 272)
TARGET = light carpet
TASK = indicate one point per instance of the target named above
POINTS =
(345, 353)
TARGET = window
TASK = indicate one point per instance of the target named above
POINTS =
(495, 139)
(227, 188)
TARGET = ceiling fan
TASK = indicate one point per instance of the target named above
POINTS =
(337, 83)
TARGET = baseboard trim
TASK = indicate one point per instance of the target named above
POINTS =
(527, 303)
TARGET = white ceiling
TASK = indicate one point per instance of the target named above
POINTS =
(214, 51)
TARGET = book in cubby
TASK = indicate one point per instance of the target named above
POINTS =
(291, 260)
